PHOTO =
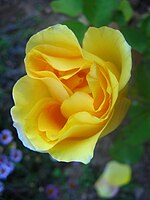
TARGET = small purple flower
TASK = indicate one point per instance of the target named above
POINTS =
(16, 155)
(1, 187)
(11, 166)
(51, 191)
(5, 137)
(4, 171)
(3, 158)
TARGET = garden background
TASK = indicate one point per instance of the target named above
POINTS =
(129, 144)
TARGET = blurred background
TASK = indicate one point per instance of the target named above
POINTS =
(26, 175)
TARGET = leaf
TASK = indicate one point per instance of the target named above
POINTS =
(77, 27)
(145, 25)
(136, 109)
(99, 12)
(136, 38)
(128, 147)
(139, 130)
(126, 9)
(71, 8)
(122, 152)
(119, 18)
(142, 78)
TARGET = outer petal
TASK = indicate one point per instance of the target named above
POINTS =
(22, 136)
(75, 150)
(110, 45)
(26, 93)
(58, 39)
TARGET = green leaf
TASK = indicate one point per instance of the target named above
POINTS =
(142, 78)
(99, 12)
(119, 18)
(128, 146)
(77, 27)
(71, 8)
(123, 152)
(136, 38)
(136, 109)
(145, 25)
(126, 9)
(139, 130)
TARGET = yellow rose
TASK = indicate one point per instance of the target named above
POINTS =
(71, 96)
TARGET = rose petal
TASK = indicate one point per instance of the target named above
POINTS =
(26, 92)
(78, 102)
(51, 121)
(56, 89)
(110, 45)
(97, 84)
(56, 36)
(75, 150)
(79, 135)
(81, 125)
(56, 50)
(36, 61)
(26, 98)
(22, 136)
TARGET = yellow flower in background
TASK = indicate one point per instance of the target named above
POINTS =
(114, 176)
(71, 95)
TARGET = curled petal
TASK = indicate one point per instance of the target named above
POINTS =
(40, 65)
(78, 102)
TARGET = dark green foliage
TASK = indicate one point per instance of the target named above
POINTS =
(77, 27)
(99, 12)
(71, 8)
(129, 145)
(136, 38)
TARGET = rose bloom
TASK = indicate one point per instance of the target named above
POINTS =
(71, 95)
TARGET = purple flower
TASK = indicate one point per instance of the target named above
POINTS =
(16, 155)
(51, 191)
(11, 165)
(5, 137)
(3, 158)
(1, 187)
(4, 171)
